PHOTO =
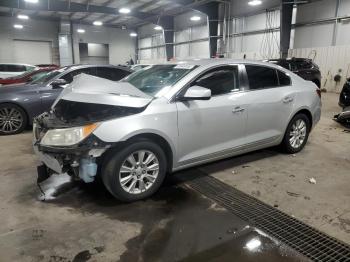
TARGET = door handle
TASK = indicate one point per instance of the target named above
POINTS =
(238, 109)
(287, 99)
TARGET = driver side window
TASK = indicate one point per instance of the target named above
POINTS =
(220, 80)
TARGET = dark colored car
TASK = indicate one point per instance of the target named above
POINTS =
(344, 98)
(19, 104)
(48, 65)
(303, 67)
(27, 76)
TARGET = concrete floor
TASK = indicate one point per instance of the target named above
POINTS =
(82, 222)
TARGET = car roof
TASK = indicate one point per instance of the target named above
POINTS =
(219, 61)
(79, 66)
(290, 59)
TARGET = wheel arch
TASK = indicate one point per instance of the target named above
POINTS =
(306, 112)
(154, 137)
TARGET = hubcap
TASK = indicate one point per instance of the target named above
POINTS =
(10, 120)
(139, 171)
(297, 134)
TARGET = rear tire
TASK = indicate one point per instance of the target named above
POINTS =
(13, 119)
(297, 134)
(134, 172)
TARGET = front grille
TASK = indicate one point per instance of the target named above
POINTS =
(308, 241)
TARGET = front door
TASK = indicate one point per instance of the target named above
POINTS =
(210, 128)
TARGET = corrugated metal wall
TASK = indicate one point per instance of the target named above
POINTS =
(332, 60)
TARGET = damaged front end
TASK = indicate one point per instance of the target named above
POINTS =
(79, 160)
(64, 139)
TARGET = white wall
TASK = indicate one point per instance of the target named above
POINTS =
(191, 38)
(321, 35)
(121, 45)
(152, 45)
(37, 30)
(249, 38)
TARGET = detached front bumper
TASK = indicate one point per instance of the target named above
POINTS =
(79, 161)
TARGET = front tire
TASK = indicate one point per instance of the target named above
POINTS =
(297, 134)
(134, 172)
(13, 119)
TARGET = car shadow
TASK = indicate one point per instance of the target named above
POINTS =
(177, 222)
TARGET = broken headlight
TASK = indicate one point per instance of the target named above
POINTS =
(67, 136)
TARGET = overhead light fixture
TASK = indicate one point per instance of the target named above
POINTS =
(158, 28)
(195, 18)
(98, 23)
(81, 31)
(24, 17)
(255, 2)
(124, 10)
(18, 26)
(133, 34)
(31, 1)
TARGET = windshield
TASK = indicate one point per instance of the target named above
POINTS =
(152, 79)
(49, 76)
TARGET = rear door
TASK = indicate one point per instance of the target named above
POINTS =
(210, 128)
(270, 103)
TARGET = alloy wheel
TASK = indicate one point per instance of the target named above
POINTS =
(297, 133)
(11, 120)
(139, 171)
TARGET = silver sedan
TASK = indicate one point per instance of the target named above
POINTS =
(168, 117)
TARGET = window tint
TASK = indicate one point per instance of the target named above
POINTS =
(16, 68)
(219, 80)
(113, 74)
(261, 77)
(283, 79)
(303, 65)
(36, 76)
(284, 64)
(69, 76)
(3, 68)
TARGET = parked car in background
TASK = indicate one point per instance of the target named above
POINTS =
(9, 70)
(26, 77)
(344, 97)
(20, 103)
(303, 67)
(48, 65)
(168, 117)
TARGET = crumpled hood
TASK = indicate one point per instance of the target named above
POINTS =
(91, 89)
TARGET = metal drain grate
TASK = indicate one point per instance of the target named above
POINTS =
(301, 237)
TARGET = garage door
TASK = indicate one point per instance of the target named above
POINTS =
(32, 52)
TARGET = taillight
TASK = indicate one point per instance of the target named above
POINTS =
(318, 91)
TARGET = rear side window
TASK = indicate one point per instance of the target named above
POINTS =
(16, 68)
(3, 68)
(283, 79)
(113, 74)
(221, 80)
(261, 77)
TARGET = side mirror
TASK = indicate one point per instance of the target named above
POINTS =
(197, 93)
(58, 83)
